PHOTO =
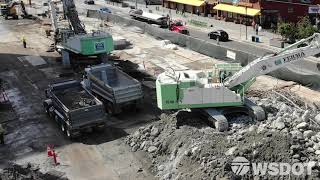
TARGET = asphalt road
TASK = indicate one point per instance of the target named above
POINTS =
(231, 44)
(304, 72)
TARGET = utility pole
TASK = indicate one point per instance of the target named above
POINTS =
(136, 4)
(246, 25)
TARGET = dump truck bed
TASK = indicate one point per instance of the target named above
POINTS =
(75, 104)
(112, 84)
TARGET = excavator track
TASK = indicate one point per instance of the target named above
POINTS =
(255, 111)
(217, 116)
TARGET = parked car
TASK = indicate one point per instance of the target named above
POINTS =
(223, 36)
(105, 10)
(89, 1)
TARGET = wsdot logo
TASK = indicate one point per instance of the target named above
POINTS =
(240, 165)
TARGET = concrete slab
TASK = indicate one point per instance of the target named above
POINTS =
(34, 60)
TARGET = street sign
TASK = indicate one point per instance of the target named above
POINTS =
(314, 9)
(231, 55)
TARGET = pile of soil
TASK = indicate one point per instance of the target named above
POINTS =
(75, 98)
(29, 172)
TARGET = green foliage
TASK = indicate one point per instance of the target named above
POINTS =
(305, 28)
(302, 29)
(287, 30)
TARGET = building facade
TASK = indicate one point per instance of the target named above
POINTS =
(266, 13)
(274, 11)
(190, 6)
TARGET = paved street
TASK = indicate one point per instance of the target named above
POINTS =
(305, 67)
(201, 33)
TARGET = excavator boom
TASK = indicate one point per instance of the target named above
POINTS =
(72, 15)
(275, 61)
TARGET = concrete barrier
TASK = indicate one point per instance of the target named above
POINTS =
(311, 79)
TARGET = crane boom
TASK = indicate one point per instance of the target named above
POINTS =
(269, 63)
(71, 12)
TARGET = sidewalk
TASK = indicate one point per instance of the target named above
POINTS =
(237, 32)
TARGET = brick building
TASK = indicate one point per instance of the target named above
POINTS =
(265, 12)
(286, 10)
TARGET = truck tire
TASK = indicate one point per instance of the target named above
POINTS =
(110, 108)
(69, 134)
(100, 128)
(46, 108)
(46, 105)
(63, 127)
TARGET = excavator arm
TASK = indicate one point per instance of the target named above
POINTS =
(72, 15)
(269, 63)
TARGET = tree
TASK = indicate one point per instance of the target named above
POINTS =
(287, 30)
(305, 28)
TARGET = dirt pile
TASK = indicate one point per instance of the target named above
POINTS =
(75, 98)
(183, 147)
(29, 172)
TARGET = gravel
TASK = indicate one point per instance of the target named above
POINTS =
(183, 147)
(29, 172)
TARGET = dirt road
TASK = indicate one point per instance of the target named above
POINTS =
(27, 73)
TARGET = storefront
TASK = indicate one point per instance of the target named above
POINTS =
(237, 14)
(191, 6)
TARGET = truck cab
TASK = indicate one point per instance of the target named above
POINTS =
(177, 26)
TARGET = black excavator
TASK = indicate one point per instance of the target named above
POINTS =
(9, 10)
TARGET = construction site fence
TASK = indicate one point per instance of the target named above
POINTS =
(212, 49)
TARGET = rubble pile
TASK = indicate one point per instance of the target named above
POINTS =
(29, 172)
(182, 146)
(74, 98)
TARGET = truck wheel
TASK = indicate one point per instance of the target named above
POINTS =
(100, 128)
(46, 108)
(68, 133)
(63, 128)
(109, 108)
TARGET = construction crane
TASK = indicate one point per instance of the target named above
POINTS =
(74, 39)
(221, 92)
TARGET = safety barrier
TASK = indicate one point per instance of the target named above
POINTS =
(198, 23)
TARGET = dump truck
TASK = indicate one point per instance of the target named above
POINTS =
(113, 87)
(74, 108)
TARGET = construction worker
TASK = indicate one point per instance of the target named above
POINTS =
(1, 135)
(24, 42)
